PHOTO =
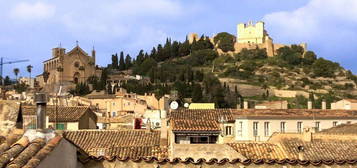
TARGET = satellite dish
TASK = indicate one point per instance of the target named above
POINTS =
(174, 105)
(186, 105)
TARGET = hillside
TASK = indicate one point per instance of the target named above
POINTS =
(208, 70)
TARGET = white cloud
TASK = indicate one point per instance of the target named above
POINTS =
(32, 11)
(316, 18)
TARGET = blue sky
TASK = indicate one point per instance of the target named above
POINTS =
(30, 29)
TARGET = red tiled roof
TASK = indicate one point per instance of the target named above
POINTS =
(194, 125)
(202, 114)
(320, 150)
(64, 114)
(342, 129)
(110, 143)
(24, 153)
(253, 150)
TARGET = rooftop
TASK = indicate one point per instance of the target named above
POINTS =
(194, 125)
(342, 129)
(23, 151)
(202, 114)
(64, 113)
(118, 143)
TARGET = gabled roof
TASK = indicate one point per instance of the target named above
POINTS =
(351, 100)
(320, 150)
(195, 125)
(118, 143)
(77, 49)
(63, 114)
(21, 152)
(255, 150)
(342, 129)
(202, 114)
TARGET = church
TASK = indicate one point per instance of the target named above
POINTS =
(68, 68)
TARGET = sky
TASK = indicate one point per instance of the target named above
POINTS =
(29, 29)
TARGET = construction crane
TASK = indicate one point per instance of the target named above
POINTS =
(2, 63)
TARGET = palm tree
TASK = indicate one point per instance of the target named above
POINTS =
(16, 72)
(29, 70)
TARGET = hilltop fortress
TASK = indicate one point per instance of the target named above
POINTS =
(250, 36)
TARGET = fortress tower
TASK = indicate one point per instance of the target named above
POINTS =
(251, 33)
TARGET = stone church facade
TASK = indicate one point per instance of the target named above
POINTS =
(70, 67)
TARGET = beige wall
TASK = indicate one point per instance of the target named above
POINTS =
(274, 126)
(344, 105)
(251, 33)
(117, 105)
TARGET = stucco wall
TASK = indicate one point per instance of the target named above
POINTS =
(274, 126)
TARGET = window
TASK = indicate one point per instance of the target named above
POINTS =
(255, 128)
(228, 130)
(60, 126)
(282, 127)
(266, 129)
(240, 129)
(114, 114)
(317, 126)
(76, 64)
(334, 124)
(299, 127)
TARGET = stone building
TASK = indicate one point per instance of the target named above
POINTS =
(69, 67)
(252, 35)
(345, 104)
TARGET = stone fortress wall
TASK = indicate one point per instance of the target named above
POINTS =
(250, 36)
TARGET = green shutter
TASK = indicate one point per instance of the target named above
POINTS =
(60, 126)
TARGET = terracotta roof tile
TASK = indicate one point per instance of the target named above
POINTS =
(110, 143)
(194, 125)
(64, 114)
(252, 150)
(320, 150)
(342, 129)
(203, 114)
(24, 153)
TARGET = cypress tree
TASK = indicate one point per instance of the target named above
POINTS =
(121, 62)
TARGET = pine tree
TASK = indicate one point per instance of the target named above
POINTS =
(121, 62)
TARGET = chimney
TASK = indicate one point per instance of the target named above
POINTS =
(40, 99)
(309, 105)
(148, 125)
(245, 105)
(307, 134)
(301, 152)
(323, 105)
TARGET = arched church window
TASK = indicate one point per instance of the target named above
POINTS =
(76, 64)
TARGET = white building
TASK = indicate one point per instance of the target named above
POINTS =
(345, 104)
(260, 124)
